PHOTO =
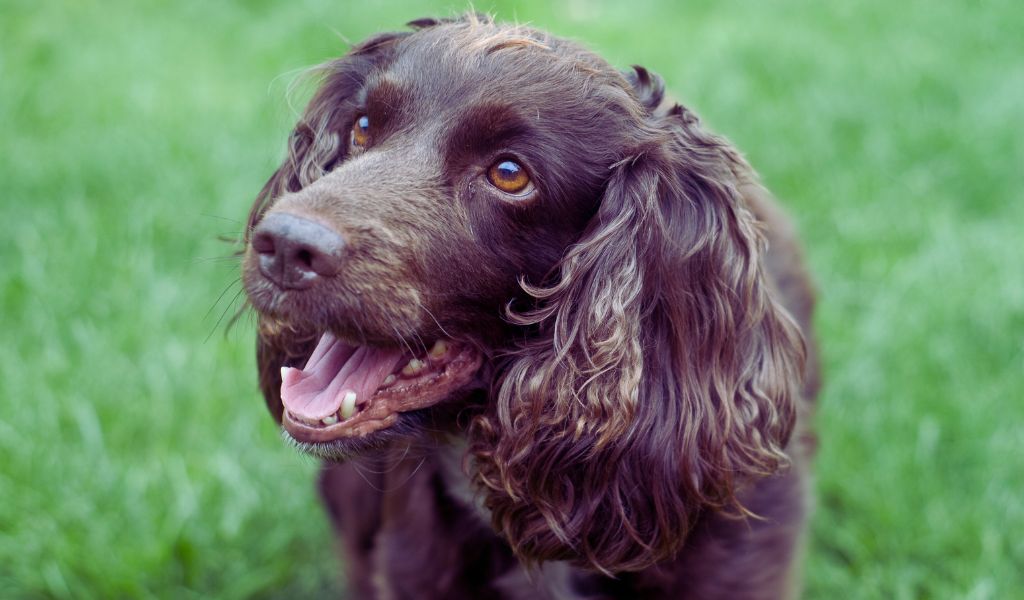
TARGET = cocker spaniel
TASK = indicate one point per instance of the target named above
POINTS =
(546, 330)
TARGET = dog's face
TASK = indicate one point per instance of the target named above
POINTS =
(471, 206)
(441, 168)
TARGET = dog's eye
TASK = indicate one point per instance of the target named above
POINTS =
(361, 131)
(508, 176)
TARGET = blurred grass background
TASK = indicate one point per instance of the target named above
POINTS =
(136, 459)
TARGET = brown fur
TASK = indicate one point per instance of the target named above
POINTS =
(630, 433)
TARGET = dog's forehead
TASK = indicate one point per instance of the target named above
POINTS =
(451, 64)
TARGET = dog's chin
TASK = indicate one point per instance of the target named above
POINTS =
(406, 428)
(436, 424)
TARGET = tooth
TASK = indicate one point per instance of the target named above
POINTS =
(329, 420)
(290, 375)
(389, 380)
(415, 366)
(439, 350)
(348, 405)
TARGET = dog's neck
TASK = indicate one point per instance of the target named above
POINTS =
(452, 461)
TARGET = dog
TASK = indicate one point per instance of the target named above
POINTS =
(549, 334)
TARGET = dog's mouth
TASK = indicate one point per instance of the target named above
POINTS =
(347, 391)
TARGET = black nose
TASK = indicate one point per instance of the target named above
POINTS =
(295, 253)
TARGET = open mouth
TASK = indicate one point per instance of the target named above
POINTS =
(347, 391)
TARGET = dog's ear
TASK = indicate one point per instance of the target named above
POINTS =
(663, 376)
(319, 140)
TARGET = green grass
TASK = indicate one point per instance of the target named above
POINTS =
(136, 459)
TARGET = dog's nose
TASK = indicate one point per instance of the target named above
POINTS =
(295, 253)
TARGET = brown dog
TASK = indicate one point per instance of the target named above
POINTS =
(526, 311)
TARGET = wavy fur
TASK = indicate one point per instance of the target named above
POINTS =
(660, 334)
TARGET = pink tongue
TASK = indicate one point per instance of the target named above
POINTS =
(334, 369)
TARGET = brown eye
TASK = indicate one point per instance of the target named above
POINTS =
(508, 176)
(361, 131)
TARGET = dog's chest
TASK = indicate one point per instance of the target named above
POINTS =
(550, 581)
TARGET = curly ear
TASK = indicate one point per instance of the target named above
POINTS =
(662, 376)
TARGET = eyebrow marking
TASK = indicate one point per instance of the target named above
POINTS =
(486, 126)
(386, 93)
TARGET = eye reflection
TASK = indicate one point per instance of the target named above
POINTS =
(508, 176)
(361, 131)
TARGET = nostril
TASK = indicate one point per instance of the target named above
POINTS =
(263, 242)
(313, 257)
(326, 263)
(304, 258)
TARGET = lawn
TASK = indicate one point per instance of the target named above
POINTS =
(136, 459)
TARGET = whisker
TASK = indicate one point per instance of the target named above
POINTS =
(245, 308)
(390, 461)
(419, 341)
(216, 259)
(221, 296)
(228, 219)
(359, 471)
(223, 314)
(411, 475)
(436, 322)
(402, 340)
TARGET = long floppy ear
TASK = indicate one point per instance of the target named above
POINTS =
(663, 376)
(317, 144)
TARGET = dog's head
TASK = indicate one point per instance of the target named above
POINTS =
(474, 207)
